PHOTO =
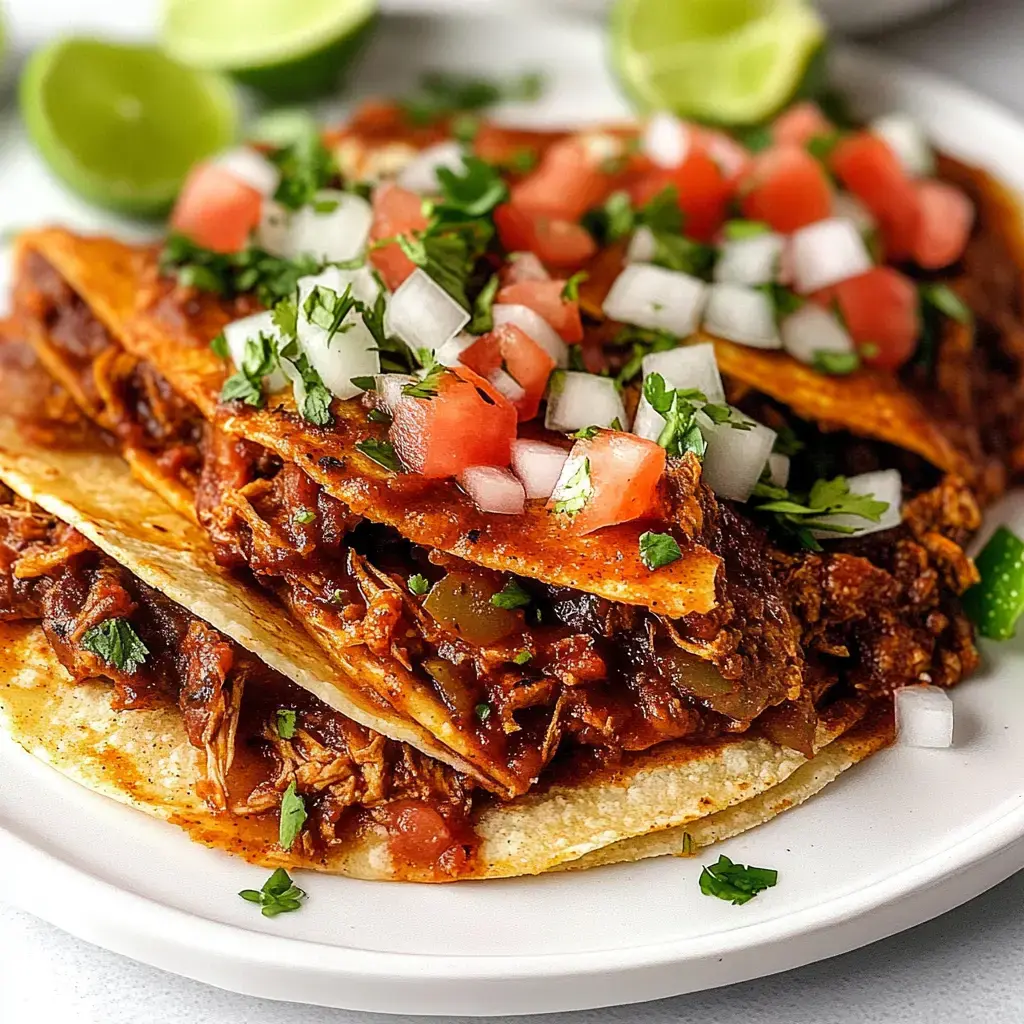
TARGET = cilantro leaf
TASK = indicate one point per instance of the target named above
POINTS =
(522, 657)
(511, 596)
(738, 230)
(442, 94)
(279, 894)
(117, 643)
(571, 290)
(473, 193)
(219, 346)
(644, 342)
(576, 491)
(312, 398)
(585, 433)
(427, 386)
(613, 220)
(483, 307)
(419, 584)
(447, 258)
(835, 364)
(735, 883)
(285, 719)
(658, 549)
(304, 516)
(947, 302)
(292, 818)
(382, 453)
(483, 711)
(306, 167)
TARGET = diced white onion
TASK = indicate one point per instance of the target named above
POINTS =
(750, 261)
(642, 246)
(505, 384)
(741, 314)
(689, 366)
(535, 326)
(924, 716)
(493, 489)
(826, 253)
(666, 140)
(423, 314)
(450, 352)
(420, 174)
(526, 266)
(907, 140)
(538, 465)
(656, 298)
(778, 469)
(882, 485)
(237, 333)
(350, 352)
(847, 206)
(273, 233)
(578, 400)
(364, 283)
(337, 235)
(812, 329)
(735, 459)
(562, 489)
(388, 389)
(252, 168)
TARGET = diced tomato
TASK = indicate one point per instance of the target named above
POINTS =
(870, 170)
(467, 423)
(624, 472)
(880, 309)
(801, 123)
(525, 266)
(560, 243)
(510, 349)
(418, 835)
(545, 298)
(702, 190)
(732, 157)
(569, 180)
(396, 211)
(786, 188)
(216, 210)
(946, 219)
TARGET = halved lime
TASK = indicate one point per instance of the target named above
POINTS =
(122, 124)
(726, 61)
(288, 49)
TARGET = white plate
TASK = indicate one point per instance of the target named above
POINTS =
(907, 836)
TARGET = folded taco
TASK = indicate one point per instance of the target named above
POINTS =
(340, 388)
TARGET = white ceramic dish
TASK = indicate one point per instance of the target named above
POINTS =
(900, 839)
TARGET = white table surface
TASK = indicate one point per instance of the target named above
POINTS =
(964, 967)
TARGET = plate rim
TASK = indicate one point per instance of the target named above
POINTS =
(146, 929)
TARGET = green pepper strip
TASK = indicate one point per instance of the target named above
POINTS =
(997, 602)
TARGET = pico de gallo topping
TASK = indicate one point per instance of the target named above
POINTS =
(488, 311)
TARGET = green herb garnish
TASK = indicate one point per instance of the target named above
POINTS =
(117, 643)
(306, 167)
(279, 894)
(419, 584)
(947, 302)
(576, 491)
(304, 516)
(293, 816)
(510, 596)
(658, 549)
(738, 230)
(483, 711)
(219, 346)
(442, 94)
(735, 883)
(285, 718)
(835, 364)
(483, 307)
(381, 452)
(523, 657)
(571, 289)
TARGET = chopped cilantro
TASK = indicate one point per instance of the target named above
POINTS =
(946, 301)
(465, 128)
(293, 816)
(681, 433)
(279, 895)
(117, 643)
(836, 364)
(426, 386)
(644, 342)
(585, 433)
(799, 514)
(219, 346)
(473, 193)
(378, 416)
(483, 711)
(419, 584)
(326, 309)
(576, 490)
(483, 307)
(784, 300)
(738, 230)
(448, 258)
(259, 359)
(304, 516)
(285, 720)
(312, 398)
(382, 453)
(306, 166)
(735, 883)
(523, 657)
(571, 291)
(821, 147)
(756, 137)
(364, 383)
(658, 549)
(511, 596)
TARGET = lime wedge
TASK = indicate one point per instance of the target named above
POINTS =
(122, 124)
(725, 61)
(288, 49)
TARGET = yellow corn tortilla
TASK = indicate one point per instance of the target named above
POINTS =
(144, 759)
